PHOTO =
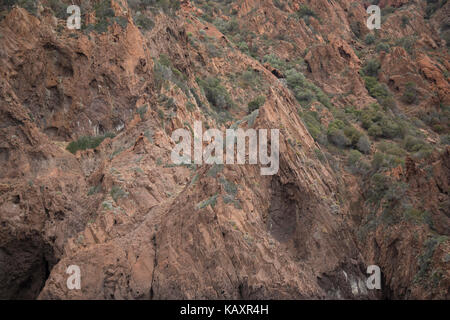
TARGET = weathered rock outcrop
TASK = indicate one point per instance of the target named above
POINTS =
(140, 227)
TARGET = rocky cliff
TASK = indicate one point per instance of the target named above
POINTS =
(87, 178)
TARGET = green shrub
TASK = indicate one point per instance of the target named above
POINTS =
(405, 21)
(229, 27)
(275, 61)
(363, 144)
(390, 128)
(104, 17)
(388, 102)
(336, 135)
(94, 189)
(370, 115)
(29, 5)
(391, 149)
(382, 160)
(379, 185)
(355, 26)
(256, 103)
(425, 260)
(423, 153)
(433, 6)
(320, 155)
(356, 164)
(312, 121)
(243, 46)
(382, 46)
(353, 157)
(144, 22)
(142, 111)
(295, 79)
(88, 142)
(395, 193)
(304, 96)
(103, 10)
(414, 215)
(216, 94)
(382, 124)
(410, 94)
(249, 79)
(371, 68)
(121, 21)
(212, 201)
(377, 161)
(370, 39)
(280, 5)
(374, 87)
(305, 92)
(168, 6)
(375, 130)
(338, 124)
(445, 139)
(413, 144)
(386, 11)
(59, 8)
(213, 50)
(380, 92)
(306, 11)
(446, 36)
(352, 134)
(165, 71)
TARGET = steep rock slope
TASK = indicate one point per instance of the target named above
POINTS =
(140, 227)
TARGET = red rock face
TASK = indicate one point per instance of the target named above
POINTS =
(140, 227)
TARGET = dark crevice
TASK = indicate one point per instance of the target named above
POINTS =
(155, 264)
(25, 264)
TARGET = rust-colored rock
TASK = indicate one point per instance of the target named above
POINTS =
(140, 227)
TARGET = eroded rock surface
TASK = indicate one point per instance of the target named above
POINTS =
(140, 227)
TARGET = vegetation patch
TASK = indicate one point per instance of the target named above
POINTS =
(212, 201)
(256, 103)
(88, 142)
(117, 193)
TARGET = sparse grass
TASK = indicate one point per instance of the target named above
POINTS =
(94, 189)
(142, 111)
(407, 43)
(212, 201)
(117, 193)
